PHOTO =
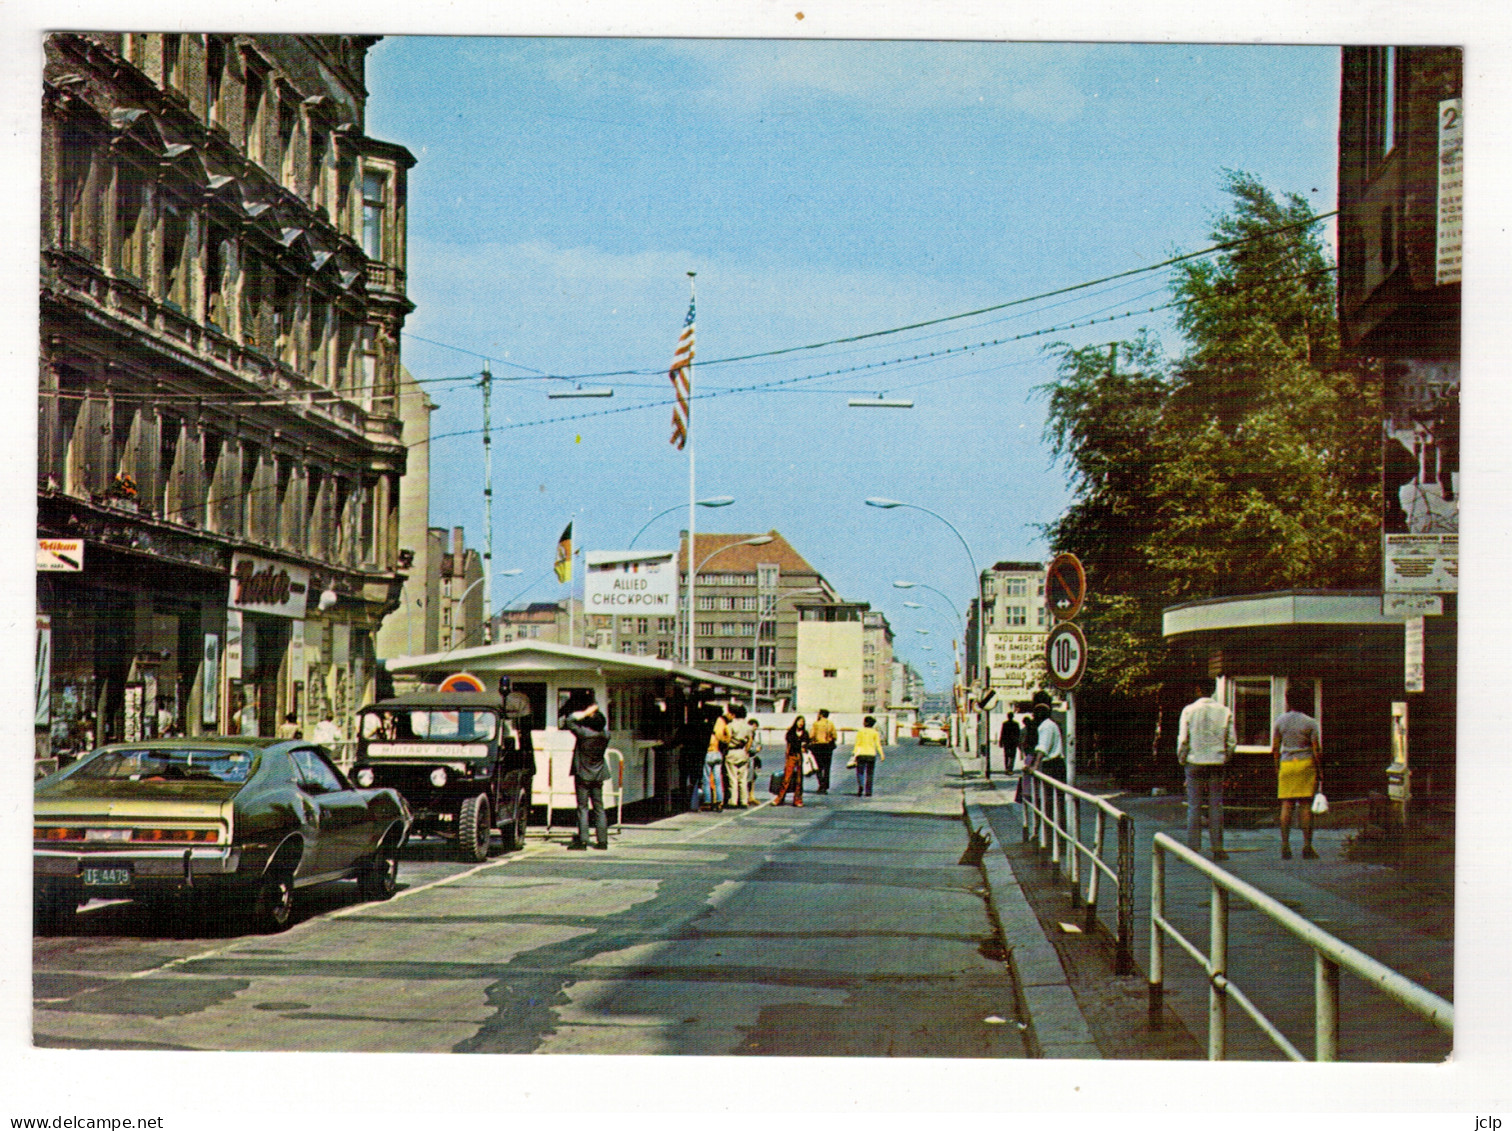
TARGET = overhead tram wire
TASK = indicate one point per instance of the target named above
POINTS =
(1210, 250)
(920, 358)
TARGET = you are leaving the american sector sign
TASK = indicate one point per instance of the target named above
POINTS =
(630, 581)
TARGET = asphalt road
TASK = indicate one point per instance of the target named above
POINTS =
(845, 928)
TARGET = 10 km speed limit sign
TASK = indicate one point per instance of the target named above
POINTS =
(1065, 655)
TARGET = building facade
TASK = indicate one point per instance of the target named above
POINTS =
(219, 443)
(830, 661)
(876, 662)
(746, 619)
(1014, 624)
(1401, 157)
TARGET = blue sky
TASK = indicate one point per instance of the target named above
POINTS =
(564, 187)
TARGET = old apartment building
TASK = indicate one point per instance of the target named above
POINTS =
(219, 442)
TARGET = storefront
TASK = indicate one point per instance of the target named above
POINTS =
(120, 647)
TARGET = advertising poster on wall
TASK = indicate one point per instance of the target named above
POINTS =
(1420, 477)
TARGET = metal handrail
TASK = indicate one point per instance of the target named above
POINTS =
(1330, 955)
(1047, 824)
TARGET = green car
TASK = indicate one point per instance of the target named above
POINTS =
(250, 819)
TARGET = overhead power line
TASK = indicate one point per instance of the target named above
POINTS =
(918, 358)
(1210, 250)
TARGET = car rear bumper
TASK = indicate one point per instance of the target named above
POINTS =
(146, 867)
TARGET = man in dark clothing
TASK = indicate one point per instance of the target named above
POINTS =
(589, 772)
(1008, 739)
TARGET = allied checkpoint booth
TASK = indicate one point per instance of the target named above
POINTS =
(655, 709)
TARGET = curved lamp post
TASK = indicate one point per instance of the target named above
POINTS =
(758, 540)
(470, 588)
(920, 585)
(716, 501)
(889, 504)
(762, 618)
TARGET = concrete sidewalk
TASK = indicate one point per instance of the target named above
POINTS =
(1399, 914)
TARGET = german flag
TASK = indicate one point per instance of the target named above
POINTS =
(564, 555)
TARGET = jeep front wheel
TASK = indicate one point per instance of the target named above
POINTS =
(475, 828)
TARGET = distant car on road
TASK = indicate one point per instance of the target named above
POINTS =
(933, 732)
(250, 819)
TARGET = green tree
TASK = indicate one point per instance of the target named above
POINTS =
(1249, 463)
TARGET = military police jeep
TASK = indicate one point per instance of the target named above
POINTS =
(455, 759)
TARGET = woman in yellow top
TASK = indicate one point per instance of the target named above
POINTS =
(866, 754)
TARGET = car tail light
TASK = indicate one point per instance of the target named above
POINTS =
(54, 833)
(177, 836)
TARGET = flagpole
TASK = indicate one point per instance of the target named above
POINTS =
(692, 488)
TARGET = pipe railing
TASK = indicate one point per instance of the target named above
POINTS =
(1330, 955)
(1045, 821)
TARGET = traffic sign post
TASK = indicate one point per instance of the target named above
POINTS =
(1065, 655)
(1065, 661)
(1065, 586)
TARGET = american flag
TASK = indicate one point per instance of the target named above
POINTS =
(682, 363)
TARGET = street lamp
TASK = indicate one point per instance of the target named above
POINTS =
(920, 585)
(761, 618)
(758, 540)
(889, 504)
(717, 501)
(469, 589)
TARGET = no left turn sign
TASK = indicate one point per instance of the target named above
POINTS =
(1065, 655)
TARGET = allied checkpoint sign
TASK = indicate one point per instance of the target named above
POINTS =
(630, 581)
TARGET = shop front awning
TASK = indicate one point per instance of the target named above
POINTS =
(1285, 609)
(524, 658)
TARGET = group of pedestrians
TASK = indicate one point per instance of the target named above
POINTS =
(1205, 742)
(729, 765)
(1033, 742)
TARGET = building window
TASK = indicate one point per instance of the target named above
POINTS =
(368, 343)
(367, 522)
(130, 205)
(1252, 721)
(254, 101)
(172, 71)
(215, 77)
(76, 195)
(666, 624)
(1015, 615)
(1018, 587)
(767, 576)
(664, 649)
(705, 628)
(319, 155)
(1383, 103)
(176, 260)
(374, 195)
(288, 120)
(285, 319)
(830, 673)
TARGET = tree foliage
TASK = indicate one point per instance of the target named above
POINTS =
(1249, 463)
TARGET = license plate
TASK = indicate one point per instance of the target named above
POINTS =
(106, 877)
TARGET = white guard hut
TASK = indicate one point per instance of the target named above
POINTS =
(647, 703)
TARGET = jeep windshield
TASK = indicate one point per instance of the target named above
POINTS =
(423, 725)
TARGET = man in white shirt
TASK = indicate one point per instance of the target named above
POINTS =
(1049, 746)
(326, 731)
(1205, 741)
